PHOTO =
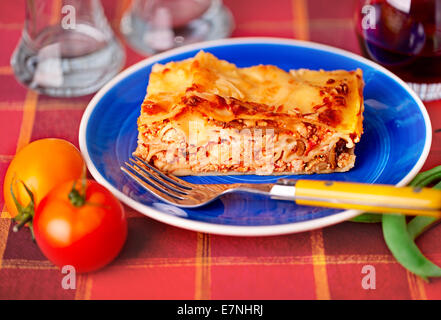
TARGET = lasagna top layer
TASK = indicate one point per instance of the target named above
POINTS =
(222, 92)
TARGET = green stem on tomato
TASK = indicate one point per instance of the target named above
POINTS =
(77, 198)
(26, 219)
(25, 214)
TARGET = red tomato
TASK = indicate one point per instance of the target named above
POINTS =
(83, 228)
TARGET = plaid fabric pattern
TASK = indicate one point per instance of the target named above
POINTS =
(163, 262)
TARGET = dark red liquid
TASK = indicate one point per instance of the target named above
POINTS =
(407, 43)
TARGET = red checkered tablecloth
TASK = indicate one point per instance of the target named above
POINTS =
(163, 262)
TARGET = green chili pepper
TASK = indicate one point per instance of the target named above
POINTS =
(401, 242)
(367, 218)
(420, 224)
(425, 178)
(404, 249)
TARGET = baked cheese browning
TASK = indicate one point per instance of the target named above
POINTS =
(300, 121)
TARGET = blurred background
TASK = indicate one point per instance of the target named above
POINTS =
(123, 32)
(71, 48)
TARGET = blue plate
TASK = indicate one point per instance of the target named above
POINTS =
(393, 148)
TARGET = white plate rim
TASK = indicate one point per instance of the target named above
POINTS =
(234, 230)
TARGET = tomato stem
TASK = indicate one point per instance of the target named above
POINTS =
(19, 225)
(76, 197)
(25, 214)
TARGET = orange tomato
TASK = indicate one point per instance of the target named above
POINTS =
(41, 165)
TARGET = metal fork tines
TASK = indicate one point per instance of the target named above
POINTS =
(177, 191)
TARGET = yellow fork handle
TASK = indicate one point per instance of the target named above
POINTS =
(369, 197)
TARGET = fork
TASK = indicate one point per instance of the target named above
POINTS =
(343, 195)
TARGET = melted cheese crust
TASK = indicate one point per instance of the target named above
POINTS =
(316, 117)
(206, 87)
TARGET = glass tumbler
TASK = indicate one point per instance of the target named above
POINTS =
(152, 26)
(67, 48)
(405, 37)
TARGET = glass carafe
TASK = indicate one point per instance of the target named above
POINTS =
(152, 26)
(67, 48)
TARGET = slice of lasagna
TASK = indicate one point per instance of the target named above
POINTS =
(207, 116)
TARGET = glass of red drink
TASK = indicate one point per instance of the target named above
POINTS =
(405, 37)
